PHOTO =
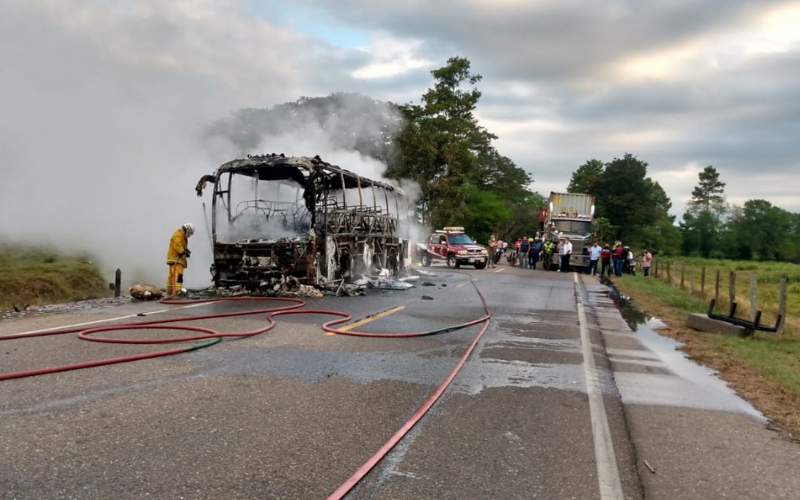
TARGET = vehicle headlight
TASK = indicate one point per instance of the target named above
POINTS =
(462, 252)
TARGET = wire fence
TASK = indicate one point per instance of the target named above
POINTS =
(749, 290)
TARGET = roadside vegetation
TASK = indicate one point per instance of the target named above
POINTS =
(765, 368)
(36, 276)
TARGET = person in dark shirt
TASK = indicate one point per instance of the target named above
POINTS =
(524, 248)
(605, 258)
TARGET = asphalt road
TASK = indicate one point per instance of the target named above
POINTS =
(293, 413)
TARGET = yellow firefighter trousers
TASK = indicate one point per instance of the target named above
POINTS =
(175, 278)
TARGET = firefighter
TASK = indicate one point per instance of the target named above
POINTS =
(177, 254)
(549, 249)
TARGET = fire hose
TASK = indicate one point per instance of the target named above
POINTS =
(209, 337)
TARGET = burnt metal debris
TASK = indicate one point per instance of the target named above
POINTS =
(277, 218)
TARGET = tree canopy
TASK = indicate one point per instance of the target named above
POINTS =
(633, 208)
(444, 149)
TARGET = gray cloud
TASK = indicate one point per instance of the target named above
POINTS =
(569, 81)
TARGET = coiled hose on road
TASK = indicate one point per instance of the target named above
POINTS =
(210, 337)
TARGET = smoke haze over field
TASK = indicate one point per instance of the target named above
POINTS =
(102, 114)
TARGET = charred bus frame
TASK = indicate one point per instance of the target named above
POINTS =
(338, 226)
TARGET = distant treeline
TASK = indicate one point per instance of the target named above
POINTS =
(635, 210)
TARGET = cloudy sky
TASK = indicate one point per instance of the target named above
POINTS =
(101, 100)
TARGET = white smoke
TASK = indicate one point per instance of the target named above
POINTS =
(102, 107)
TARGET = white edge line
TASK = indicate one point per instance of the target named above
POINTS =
(607, 471)
(65, 327)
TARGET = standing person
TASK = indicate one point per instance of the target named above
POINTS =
(594, 256)
(531, 250)
(647, 260)
(498, 251)
(524, 248)
(547, 254)
(535, 251)
(177, 253)
(492, 249)
(619, 257)
(564, 254)
(605, 256)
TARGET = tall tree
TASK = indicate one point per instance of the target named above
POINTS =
(636, 206)
(444, 148)
(702, 221)
(709, 194)
(585, 179)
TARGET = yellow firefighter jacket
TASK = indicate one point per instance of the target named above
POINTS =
(176, 254)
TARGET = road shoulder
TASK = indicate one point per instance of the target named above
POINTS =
(684, 448)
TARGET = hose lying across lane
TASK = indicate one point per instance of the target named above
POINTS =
(210, 337)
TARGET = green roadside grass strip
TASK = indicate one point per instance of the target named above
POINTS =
(35, 276)
(775, 358)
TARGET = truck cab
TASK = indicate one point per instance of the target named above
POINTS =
(570, 215)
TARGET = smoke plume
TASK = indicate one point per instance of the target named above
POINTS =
(103, 109)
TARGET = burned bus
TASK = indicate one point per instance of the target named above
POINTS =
(276, 218)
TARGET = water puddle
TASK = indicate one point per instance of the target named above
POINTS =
(688, 385)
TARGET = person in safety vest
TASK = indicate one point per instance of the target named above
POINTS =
(177, 254)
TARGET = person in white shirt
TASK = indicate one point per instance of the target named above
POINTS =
(564, 251)
(594, 257)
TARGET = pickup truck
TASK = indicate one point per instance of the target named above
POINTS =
(453, 246)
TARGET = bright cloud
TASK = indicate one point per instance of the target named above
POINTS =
(390, 57)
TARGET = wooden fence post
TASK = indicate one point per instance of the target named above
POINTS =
(732, 287)
(716, 287)
(691, 280)
(703, 281)
(655, 268)
(782, 306)
(683, 267)
(753, 303)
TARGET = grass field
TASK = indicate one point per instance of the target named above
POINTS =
(765, 369)
(38, 276)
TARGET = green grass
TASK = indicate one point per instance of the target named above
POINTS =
(38, 276)
(775, 357)
(667, 294)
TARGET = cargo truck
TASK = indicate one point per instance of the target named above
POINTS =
(569, 215)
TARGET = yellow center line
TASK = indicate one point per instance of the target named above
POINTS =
(501, 270)
(369, 318)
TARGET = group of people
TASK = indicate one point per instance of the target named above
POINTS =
(617, 259)
(527, 252)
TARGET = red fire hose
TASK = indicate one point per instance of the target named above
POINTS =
(211, 337)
